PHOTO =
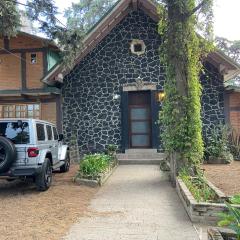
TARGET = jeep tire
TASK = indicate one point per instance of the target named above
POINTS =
(8, 154)
(44, 179)
(65, 167)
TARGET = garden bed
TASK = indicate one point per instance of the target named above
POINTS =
(95, 169)
(205, 212)
(96, 182)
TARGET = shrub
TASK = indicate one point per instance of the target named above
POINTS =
(198, 187)
(92, 165)
(218, 144)
(234, 143)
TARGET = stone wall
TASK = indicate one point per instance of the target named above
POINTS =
(212, 99)
(89, 109)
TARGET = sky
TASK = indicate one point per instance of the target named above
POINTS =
(226, 12)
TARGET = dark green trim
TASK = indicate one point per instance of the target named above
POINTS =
(59, 113)
(154, 113)
(27, 100)
(227, 107)
(22, 50)
(6, 43)
(124, 111)
(45, 61)
(47, 90)
(23, 71)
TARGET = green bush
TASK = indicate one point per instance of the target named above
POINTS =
(234, 143)
(198, 187)
(92, 165)
(218, 144)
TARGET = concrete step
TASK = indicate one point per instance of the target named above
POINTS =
(140, 156)
(141, 150)
(139, 161)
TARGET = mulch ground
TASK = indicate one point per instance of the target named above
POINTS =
(29, 214)
(225, 176)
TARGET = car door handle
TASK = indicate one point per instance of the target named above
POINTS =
(50, 146)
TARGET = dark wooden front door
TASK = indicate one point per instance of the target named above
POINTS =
(140, 120)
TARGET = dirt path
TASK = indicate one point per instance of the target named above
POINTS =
(224, 176)
(28, 214)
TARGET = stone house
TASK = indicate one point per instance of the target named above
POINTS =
(115, 91)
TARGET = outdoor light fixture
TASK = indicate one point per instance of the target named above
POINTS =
(116, 97)
(160, 96)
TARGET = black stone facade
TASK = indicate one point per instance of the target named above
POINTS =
(90, 113)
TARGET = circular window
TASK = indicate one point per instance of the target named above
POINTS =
(137, 47)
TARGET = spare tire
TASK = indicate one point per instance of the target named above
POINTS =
(8, 154)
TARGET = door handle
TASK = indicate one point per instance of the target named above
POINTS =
(50, 146)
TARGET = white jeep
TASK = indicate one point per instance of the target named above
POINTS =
(31, 148)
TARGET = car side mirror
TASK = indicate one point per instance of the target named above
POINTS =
(60, 137)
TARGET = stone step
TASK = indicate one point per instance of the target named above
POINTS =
(139, 161)
(141, 156)
(141, 150)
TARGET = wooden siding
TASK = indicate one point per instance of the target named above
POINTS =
(34, 72)
(234, 109)
(48, 111)
(23, 41)
(10, 71)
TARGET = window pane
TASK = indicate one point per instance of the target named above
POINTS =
(139, 113)
(140, 127)
(30, 107)
(14, 133)
(36, 106)
(49, 132)
(55, 133)
(40, 132)
(140, 140)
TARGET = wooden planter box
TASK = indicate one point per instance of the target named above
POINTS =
(201, 212)
(221, 234)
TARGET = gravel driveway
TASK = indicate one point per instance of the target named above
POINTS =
(28, 214)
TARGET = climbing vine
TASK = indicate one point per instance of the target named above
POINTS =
(182, 50)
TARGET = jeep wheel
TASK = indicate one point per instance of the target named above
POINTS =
(66, 166)
(8, 154)
(44, 179)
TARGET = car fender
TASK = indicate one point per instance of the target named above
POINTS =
(42, 155)
(63, 152)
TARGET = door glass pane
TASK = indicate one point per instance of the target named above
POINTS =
(140, 127)
(140, 140)
(139, 113)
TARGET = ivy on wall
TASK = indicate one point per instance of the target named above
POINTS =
(181, 51)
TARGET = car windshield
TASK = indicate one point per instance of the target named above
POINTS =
(12, 131)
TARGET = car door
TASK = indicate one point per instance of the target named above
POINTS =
(52, 144)
(55, 142)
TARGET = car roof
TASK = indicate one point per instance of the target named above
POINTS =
(26, 120)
